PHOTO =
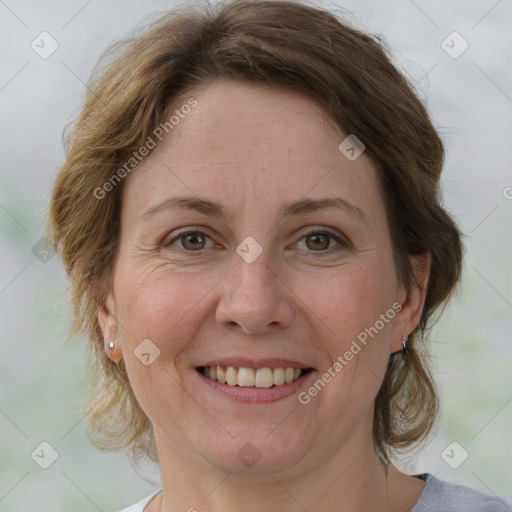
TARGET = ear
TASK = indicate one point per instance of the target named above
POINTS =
(412, 301)
(110, 328)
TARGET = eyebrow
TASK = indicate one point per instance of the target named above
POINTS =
(213, 208)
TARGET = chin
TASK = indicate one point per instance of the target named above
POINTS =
(257, 453)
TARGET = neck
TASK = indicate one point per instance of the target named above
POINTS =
(351, 480)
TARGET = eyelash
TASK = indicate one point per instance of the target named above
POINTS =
(342, 243)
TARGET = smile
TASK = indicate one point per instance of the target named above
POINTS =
(252, 377)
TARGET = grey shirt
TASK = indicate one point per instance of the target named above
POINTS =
(438, 496)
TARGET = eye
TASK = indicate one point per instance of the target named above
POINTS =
(190, 241)
(319, 241)
(316, 241)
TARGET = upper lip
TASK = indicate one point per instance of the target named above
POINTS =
(245, 362)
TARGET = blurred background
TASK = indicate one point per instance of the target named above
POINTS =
(459, 56)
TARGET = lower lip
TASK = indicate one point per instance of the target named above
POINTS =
(258, 395)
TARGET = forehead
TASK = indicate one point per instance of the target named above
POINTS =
(259, 118)
(247, 141)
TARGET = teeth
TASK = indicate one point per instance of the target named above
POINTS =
(248, 377)
(221, 375)
(278, 376)
(264, 378)
(231, 376)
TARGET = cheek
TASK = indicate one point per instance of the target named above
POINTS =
(357, 306)
(348, 300)
(159, 305)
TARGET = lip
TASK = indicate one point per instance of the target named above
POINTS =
(253, 395)
(246, 362)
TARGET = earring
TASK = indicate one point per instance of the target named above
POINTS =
(111, 345)
(405, 339)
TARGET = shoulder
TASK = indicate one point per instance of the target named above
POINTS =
(440, 495)
(139, 506)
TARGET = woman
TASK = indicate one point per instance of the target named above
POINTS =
(249, 216)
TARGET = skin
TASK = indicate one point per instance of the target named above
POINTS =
(254, 149)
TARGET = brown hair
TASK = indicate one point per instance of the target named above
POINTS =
(279, 43)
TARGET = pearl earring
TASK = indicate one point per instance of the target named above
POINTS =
(111, 345)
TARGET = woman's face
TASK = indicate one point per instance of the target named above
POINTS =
(250, 241)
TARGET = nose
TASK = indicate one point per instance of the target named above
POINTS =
(255, 298)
